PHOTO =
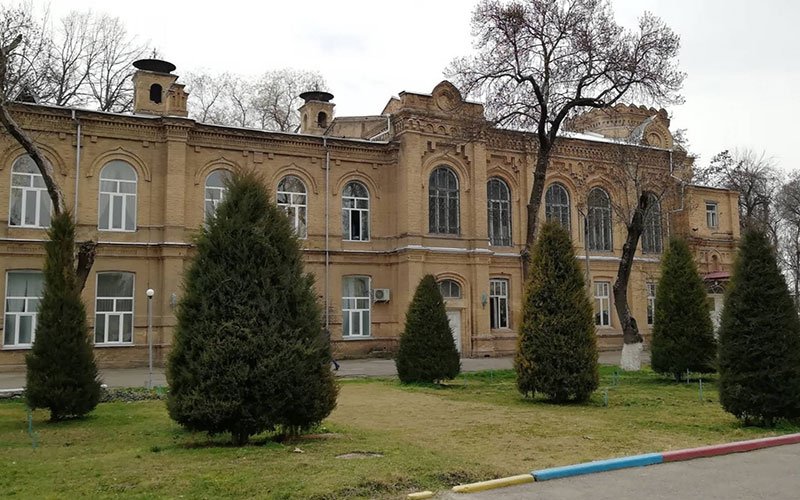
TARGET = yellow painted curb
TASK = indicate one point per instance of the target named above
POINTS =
(420, 496)
(494, 483)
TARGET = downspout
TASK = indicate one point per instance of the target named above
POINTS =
(77, 165)
(327, 232)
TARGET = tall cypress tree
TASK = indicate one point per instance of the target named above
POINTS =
(683, 334)
(759, 339)
(427, 350)
(557, 346)
(249, 354)
(62, 374)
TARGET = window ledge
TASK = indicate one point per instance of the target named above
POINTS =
(349, 338)
(119, 344)
(28, 227)
(116, 230)
(17, 347)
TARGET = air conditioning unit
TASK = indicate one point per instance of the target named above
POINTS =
(380, 295)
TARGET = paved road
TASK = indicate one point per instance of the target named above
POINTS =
(772, 473)
(132, 377)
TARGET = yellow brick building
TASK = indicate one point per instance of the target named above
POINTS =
(377, 201)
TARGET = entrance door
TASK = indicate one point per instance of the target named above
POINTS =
(454, 317)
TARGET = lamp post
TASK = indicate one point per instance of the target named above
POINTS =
(150, 292)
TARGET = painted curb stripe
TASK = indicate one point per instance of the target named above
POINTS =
(735, 447)
(597, 466)
(420, 495)
(494, 483)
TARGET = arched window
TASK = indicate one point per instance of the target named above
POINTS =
(292, 199)
(30, 203)
(556, 205)
(443, 203)
(450, 289)
(499, 212)
(651, 237)
(117, 206)
(215, 191)
(322, 119)
(155, 93)
(599, 231)
(355, 212)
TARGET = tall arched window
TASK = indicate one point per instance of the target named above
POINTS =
(443, 203)
(450, 289)
(215, 191)
(556, 205)
(651, 237)
(499, 211)
(599, 231)
(30, 203)
(355, 212)
(292, 199)
(117, 206)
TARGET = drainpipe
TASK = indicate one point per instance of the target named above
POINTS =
(77, 166)
(327, 232)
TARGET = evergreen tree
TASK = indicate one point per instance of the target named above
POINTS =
(557, 347)
(427, 350)
(759, 339)
(249, 353)
(683, 335)
(62, 375)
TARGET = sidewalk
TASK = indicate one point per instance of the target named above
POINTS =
(132, 377)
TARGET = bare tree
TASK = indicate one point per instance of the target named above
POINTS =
(757, 180)
(73, 56)
(539, 61)
(26, 66)
(207, 96)
(643, 191)
(87, 249)
(109, 79)
(239, 91)
(277, 97)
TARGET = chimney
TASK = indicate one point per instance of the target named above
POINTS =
(155, 91)
(316, 114)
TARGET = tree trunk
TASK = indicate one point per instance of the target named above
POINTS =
(631, 338)
(534, 203)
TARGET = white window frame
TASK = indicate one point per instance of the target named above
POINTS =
(602, 304)
(501, 207)
(712, 216)
(39, 193)
(600, 233)
(210, 202)
(30, 302)
(356, 314)
(298, 202)
(650, 288)
(359, 209)
(116, 311)
(498, 304)
(128, 201)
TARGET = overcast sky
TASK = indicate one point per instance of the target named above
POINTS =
(742, 57)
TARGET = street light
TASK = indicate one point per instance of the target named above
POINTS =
(150, 292)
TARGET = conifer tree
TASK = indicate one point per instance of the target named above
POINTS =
(759, 339)
(427, 350)
(62, 374)
(683, 334)
(557, 347)
(249, 353)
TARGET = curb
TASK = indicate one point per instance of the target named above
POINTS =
(630, 461)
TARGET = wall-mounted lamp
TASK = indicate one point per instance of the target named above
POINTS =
(483, 300)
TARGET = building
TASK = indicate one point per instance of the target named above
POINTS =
(378, 201)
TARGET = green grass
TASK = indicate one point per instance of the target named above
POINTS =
(431, 437)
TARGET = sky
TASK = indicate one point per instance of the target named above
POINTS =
(742, 57)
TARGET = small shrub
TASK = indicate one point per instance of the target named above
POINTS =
(556, 348)
(759, 339)
(427, 350)
(62, 375)
(683, 335)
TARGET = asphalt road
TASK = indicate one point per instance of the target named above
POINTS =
(772, 473)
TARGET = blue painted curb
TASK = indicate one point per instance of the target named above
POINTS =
(598, 466)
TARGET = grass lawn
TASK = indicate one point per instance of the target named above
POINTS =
(476, 428)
